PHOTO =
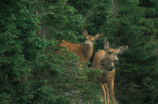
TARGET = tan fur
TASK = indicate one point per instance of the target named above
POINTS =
(83, 51)
(106, 80)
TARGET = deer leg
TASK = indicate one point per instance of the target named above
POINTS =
(112, 91)
(107, 92)
(103, 90)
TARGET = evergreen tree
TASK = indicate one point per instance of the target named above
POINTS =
(63, 72)
(129, 24)
(20, 48)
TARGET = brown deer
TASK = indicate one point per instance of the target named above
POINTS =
(83, 51)
(104, 60)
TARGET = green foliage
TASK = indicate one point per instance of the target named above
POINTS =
(61, 21)
(33, 69)
(63, 72)
(131, 27)
(20, 49)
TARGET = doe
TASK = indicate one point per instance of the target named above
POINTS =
(104, 60)
(83, 51)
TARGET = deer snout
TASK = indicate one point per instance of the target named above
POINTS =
(116, 61)
(88, 45)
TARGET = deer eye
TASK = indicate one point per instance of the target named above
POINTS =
(85, 38)
(92, 41)
(110, 52)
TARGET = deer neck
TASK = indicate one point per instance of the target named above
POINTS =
(88, 51)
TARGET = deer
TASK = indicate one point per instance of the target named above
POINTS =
(104, 60)
(83, 51)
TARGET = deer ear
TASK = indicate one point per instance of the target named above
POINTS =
(98, 36)
(84, 32)
(106, 43)
(122, 49)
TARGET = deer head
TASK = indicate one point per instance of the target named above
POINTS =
(111, 54)
(89, 40)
